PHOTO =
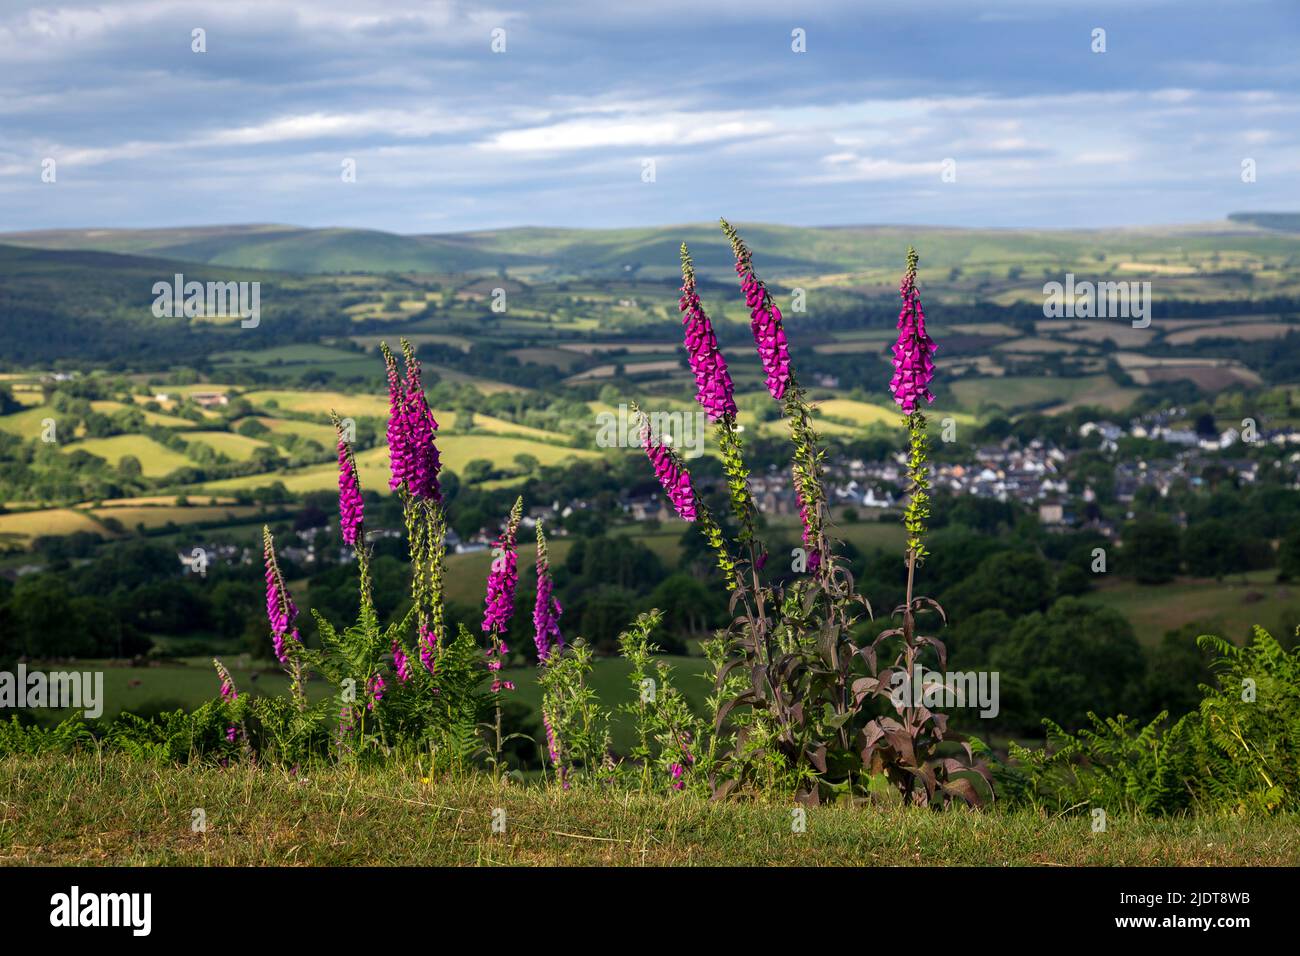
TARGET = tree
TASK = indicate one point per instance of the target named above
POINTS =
(45, 621)
(1074, 658)
(605, 614)
(479, 469)
(1014, 581)
(1177, 667)
(971, 642)
(1288, 557)
(252, 428)
(689, 608)
(1151, 550)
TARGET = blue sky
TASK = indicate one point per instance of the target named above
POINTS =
(448, 135)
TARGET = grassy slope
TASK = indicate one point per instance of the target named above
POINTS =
(652, 252)
(112, 810)
(1228, 608)
(155, 460)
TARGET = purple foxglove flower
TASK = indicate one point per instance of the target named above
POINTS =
(713, 386)
(397, 443)
(428, 644)
(499, 605)
(547, 610)
(674, 478)
(230, 734)
(375, 688)
(413, 455)
(228, 692)
(500, 601)
(769, 333)
(351, 506)
(421, 426)
(914, 350)
(765, 319)
(401, 664)
(280, 609)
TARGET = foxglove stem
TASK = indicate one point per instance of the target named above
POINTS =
(914, 516)
(717, 540)
(499, 608)
(426, 541)
(547, 610)
(554, 751)
(809, 489)
(230, 694)
(773, 350)
(733, 466)
(918, 475)
(228, 691)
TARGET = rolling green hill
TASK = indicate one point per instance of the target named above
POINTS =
(1281, 221)
(652, 252)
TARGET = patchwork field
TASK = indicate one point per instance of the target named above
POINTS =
(372, 464)
(155, 460)
(233, 446)
(360, 405)
(150, 418)
(155, 516)
(19, 527)
(27, 424)
(1018, 393)
(323, 435)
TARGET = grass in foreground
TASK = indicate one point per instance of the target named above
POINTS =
(89, 809)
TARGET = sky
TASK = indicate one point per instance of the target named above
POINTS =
(619, 113)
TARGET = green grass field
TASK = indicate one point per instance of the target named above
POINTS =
(19, 527)
(156, 516)
(233, 446)
(360, 405)
(321, 434)
(155, 460)
(500, 426)
(112, 810)
(1017, 393)
(1228, 608)
(27, 423)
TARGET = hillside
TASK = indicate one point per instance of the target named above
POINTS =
(651, 253)
(1280, 221)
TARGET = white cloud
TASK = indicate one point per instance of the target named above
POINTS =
(662, 130)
